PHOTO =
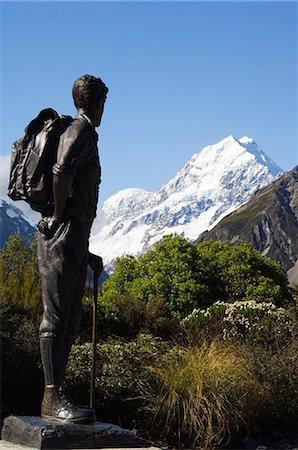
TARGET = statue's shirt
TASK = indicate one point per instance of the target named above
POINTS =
(78, 160)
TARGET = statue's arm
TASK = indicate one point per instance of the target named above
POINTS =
(73, 149)
(61, 188)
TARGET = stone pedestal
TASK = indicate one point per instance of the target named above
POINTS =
(43, 434)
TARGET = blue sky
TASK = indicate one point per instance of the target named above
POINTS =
(181, 75)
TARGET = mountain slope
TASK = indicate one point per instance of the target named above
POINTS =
(12, 220)
(269, 221)
(214, 182)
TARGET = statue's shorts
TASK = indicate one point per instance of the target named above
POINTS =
(62, 262)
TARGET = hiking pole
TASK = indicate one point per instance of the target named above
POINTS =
(94, 339)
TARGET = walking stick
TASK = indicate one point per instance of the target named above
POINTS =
(94, 339)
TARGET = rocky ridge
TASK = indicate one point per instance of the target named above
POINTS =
(269, 221)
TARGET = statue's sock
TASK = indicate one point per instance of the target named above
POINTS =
(66, 347)
(51, 356)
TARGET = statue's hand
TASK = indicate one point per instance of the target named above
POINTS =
(48, 226)
(95, 262)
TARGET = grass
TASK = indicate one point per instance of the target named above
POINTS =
(200, 396)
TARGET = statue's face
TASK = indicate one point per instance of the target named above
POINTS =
(99, 112)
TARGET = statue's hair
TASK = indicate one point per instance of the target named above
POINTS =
(87, 91)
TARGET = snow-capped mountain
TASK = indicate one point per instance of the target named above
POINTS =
(13, 220)
(212, 184)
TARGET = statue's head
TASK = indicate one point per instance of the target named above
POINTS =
(89, 93)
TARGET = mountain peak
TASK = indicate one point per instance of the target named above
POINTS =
(252, 147)
(124, 195)
(211, 184)
(227, 140)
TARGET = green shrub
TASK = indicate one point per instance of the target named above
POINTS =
(278, 374)
(184, 396)
(21, 374)
(20, 315)
(124, 317)
(153, 292)
(172, 272)
(127, 316)
(247, 322)
(120, 367)
(19, 278)
(240, 272)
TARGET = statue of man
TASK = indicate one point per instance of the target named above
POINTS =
(62, 246)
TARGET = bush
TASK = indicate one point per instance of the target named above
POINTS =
(247, 322)
(124, 317)
(19, 279)
(154, 292)
(120, 367)
(278, 374)
(193, 396)
(241, 273)
(172, 272)
(20, 313)
(21, 374)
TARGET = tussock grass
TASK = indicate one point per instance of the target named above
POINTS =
(200, 396)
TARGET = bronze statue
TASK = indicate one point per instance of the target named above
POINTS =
(62, 246)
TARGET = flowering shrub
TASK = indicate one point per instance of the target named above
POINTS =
(245, 321)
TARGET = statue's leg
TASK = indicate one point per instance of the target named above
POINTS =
(51, 348)
(56, 304)
(66, 348)
(76, 310)
(82, 231)
(74, 321)
(59, 263)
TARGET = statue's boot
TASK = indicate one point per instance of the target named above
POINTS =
(58, 407)
(66, 347)
(56, 404)
(63, 391)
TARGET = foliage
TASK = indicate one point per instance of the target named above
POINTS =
(85, 331)
(278, 374)
(20, 312)
(120, 365)
(20, 361)
(124, 317)
(244, 274)
(200, 396)
(153, 292)
(171, 272)
(185, 396)
(19, 278)
(245, 322)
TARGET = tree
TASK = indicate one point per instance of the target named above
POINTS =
(241, 273)
(19, 279)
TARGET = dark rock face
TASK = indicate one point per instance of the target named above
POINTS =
(293, 277)
(269, 221)
(13, 221)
